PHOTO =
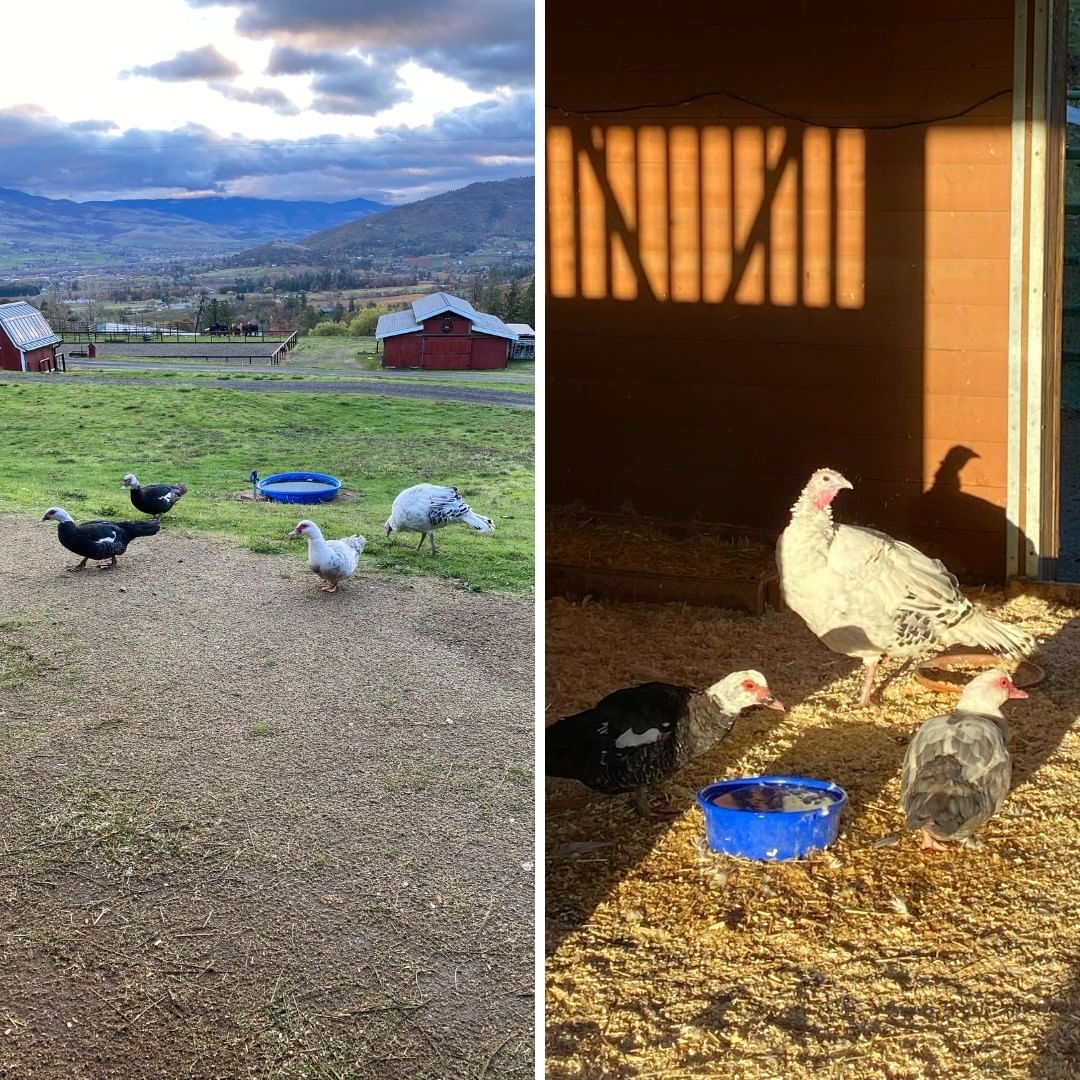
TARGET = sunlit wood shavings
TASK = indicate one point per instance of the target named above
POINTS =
(671, 961)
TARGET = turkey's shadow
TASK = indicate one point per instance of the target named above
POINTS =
(945, 508)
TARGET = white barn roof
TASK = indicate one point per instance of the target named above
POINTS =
(26, 326)
(409, 322)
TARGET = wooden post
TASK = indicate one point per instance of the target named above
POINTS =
(1035, 293)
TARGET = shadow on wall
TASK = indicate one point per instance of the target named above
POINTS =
(736, 301)
(945, 507)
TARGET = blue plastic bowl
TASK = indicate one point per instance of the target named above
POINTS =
(299, 487)
(772, 835)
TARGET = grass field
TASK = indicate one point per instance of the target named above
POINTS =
(480, 382)
(315, 356)
(69, 445)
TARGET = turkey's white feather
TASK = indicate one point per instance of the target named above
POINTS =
(425, 507)
(866, 594)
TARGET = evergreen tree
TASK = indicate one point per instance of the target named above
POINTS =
(511, 305)
(527, 306)
(491, 300)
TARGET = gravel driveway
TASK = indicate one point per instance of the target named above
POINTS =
(254, 830)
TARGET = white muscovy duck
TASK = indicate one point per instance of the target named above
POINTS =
(869, 596)
(640, 736)
(154, 499)
(97, 540)
(424, 508)
(957, 768)
(332, 560)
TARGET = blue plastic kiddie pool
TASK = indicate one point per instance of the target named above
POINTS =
(298, 487)
(771, 818)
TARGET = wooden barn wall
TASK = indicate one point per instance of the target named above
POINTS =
(489, 353)
(9, 355)
(736, 297)
(41, 359)
(401, 350)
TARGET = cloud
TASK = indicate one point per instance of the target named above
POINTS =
(342, 83)
(94, 125)
(191, 65)
(489, 141)
(488, 43)
(261, 95)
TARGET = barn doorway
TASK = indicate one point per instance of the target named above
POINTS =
(1068, 567)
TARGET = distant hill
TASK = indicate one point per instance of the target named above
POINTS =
(276, 253)
(41, 233)
(280, 218)
(484, 216)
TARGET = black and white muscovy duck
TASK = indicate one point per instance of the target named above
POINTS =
(423, 508)
(98, 540)
(332, 560)
(957, 768)
(153, 499)
(644, 734)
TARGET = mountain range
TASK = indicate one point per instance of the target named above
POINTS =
(36, 232)
(491, 217)
(482, 216)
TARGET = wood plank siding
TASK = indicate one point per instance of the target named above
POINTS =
(736, 296)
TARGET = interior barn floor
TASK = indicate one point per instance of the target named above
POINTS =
(666, 960)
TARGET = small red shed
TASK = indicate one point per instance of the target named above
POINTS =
(27, 342)
(443, 332)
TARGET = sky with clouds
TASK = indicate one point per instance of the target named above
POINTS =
(391, 100)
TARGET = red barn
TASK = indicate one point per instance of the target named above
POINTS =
(27, 342)
(443, 332)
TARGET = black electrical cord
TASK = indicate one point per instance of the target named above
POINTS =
(892, 126)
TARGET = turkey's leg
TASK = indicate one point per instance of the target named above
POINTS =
(868, 682)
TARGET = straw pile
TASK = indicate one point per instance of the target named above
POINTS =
(630, 542)
(665, 960)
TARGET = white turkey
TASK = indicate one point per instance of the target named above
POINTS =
(424, 508)
(332, 560)
(641, 735)
(957, 768)
(869, 596)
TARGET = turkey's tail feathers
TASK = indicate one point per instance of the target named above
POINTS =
(355, 542)
(139, 528)
(1002, 638)
(480, 524)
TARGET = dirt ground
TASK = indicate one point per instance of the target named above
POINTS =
(665, 960)
(250, 829)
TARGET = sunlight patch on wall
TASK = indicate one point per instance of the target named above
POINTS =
(743, 213)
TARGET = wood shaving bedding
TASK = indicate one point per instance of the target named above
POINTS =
(665, 960)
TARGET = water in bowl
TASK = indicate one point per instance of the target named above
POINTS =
(786, 798)
(297, 487)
